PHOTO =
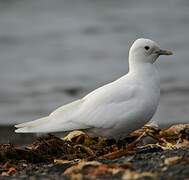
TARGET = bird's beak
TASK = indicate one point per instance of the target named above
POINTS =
(164, 52)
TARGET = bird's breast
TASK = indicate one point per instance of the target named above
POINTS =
(150, 95)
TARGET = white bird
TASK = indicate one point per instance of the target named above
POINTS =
(115, 109)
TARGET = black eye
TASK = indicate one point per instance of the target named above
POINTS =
(146, 47)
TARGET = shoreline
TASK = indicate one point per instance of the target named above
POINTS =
(85, 157)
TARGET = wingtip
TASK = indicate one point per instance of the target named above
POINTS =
(17, 131)
(21, 130)
(16, 125)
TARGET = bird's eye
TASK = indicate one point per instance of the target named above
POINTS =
(147, 47)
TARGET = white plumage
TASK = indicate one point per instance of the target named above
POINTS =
(115, 109)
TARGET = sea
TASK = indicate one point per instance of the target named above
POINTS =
(54, 52)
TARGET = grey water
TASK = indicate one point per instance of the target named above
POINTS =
(53, 52)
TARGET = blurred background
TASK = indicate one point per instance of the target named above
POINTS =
(53, 52)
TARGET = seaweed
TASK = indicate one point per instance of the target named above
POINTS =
(80, 156)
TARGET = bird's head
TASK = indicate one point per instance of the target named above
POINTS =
(146, 50)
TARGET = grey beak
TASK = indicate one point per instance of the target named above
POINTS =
(164, 52)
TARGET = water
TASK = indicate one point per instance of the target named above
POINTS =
(53, 52)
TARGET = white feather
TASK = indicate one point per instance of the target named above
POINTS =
(114, 109)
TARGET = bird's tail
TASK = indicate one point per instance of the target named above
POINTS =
(32, 126)
(59, 120)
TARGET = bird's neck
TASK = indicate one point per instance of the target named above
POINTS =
(141, 70)
(139, 66)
